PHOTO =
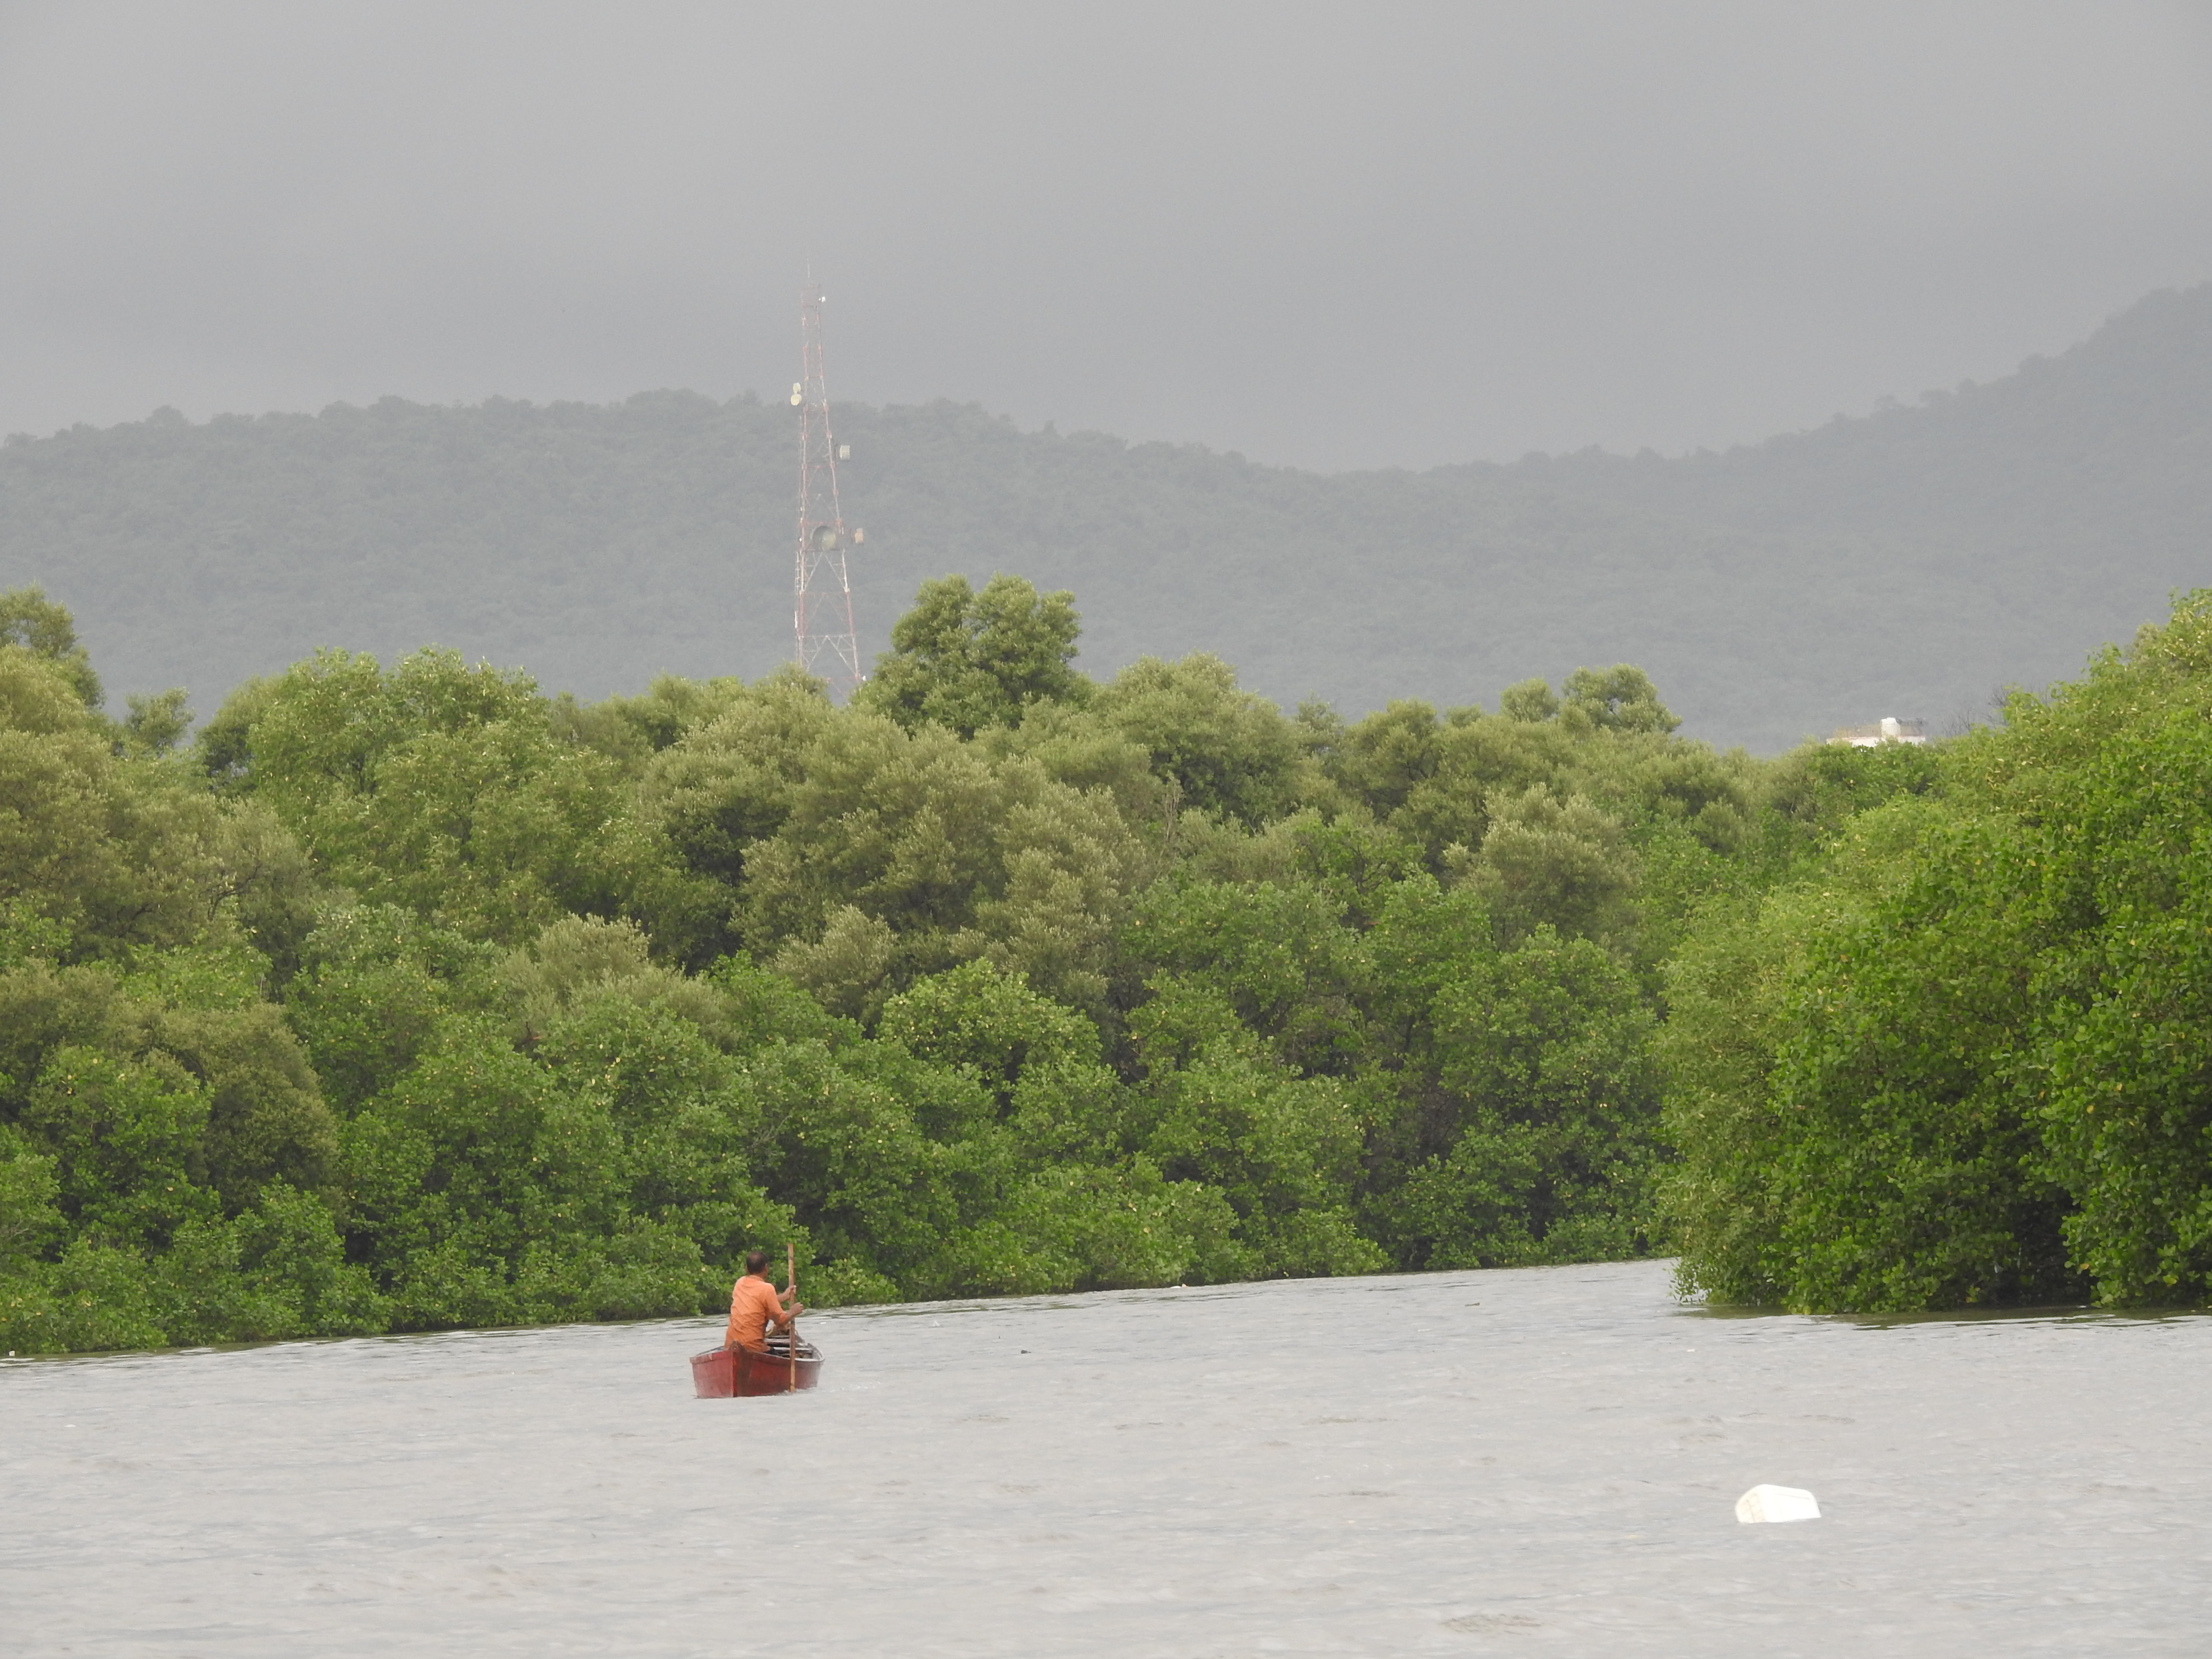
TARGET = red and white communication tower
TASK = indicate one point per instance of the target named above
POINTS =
(827, 647)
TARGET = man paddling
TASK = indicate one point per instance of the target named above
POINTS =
(757, 1307)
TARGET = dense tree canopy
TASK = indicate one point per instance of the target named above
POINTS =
(1967, 1056)
(406, 997)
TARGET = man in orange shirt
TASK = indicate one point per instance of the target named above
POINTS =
(755, 1307)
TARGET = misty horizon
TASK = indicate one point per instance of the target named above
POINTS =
(1413, 236)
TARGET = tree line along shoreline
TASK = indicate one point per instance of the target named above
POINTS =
(409, 997)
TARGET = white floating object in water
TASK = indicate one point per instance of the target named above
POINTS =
(1776, 1503)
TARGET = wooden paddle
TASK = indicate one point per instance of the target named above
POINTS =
(791, 1284)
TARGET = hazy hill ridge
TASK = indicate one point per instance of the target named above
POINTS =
(1908, 561)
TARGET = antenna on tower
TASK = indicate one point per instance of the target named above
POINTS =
(828, 646)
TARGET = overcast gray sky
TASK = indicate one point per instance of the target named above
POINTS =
(1334, 235)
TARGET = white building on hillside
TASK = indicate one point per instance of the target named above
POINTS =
(1888, 729)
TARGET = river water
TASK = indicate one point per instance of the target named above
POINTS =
(1538, 1461)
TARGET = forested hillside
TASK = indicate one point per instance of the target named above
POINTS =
(1909, 563)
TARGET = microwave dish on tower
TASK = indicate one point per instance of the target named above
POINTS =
(828, 646)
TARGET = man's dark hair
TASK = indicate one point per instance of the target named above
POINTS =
(755, 1262)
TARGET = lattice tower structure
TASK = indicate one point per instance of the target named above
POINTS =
(828, 646)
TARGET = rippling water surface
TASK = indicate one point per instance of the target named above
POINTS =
(1535, 1461)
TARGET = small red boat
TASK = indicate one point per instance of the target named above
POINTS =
(726, 1373)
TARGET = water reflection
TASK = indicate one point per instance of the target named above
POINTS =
(1531, 1461)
